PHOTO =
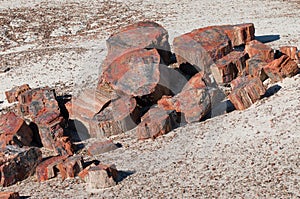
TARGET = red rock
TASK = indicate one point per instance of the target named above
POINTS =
(150, 36)
(229, 67)
(47, 169)
(136, 73)
(256, 48)
(100, 176)
(71, 167)
(33, 102)
(63, 146)
(155, 122)
(118, 117)
(202, 47)
(193, 103)
(255, 67)
(246, 91)
(14, 130)
(99, 147)
(9, 195)
(12, 95)
(197, 81)
(281, 68)
(16, 164)
(290, 51)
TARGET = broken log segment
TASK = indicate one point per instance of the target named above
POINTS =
(254, 67)
(118, 117)
(256, 48)
(156, 122)
(281, 68)
(202, 47)
(16, 164)
(150, 36)
(70, 167)
(14, 130)
(290, 51)
(12, 95)
(246, 91)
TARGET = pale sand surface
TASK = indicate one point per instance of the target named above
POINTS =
(244, 154)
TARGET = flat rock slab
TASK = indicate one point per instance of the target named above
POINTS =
(281, 68)
(148, 35)
(100, 147)
(16, 164)
(202, 47)
(14, 130)
(246, 91)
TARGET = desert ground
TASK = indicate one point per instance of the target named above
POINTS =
(242, 154)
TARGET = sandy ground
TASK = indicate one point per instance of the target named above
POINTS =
(243, 154)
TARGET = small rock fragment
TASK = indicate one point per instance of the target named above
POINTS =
(99, 147)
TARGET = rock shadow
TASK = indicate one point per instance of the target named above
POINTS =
(267, 38)
(271, 91)
(124, 174)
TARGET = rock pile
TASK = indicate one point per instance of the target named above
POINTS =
(143, 86)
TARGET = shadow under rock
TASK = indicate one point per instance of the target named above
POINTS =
(267, 38)
(271, 91)
(124, 174)
(24, 197)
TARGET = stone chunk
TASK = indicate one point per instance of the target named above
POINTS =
(12, 95)
(290, 51)
(246, 91)
(118, 117)
(256, 48)
(255, 67)
(150, 36)
(229, 67)
(156, 122)
(136, 73)
(71, 167)
(99, 147)
(16, 164)
(281, 68)
(9, 195)
(202, 47)
(14, 130)
(100, 176)
(48, 168)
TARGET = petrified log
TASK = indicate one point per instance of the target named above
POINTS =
(70, 167)
(281, 68)
(256, 48)
(246, 91)
(100, 176)
(17, 164)
(148, 35)
(254, 67)
(12, 95)
(229, 67)
(202, 47)
(9, 195)
(118, 117)
(48, 168)
(33, 102)
(290, 51)
(14, 130)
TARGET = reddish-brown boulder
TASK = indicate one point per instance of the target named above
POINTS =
(12, 95)
(16, 164)
(9, 195)
(281, 68)
(100, 176)
(199, 80)
(48, 168)
(70, 167)
(246, 91)
(229, 67)
(14, 130)
(156, 122)
(202, 47)
(254, 67)
(118, 117)
(141, 35)
(256, 48)
(290, 51)
(99, 147)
